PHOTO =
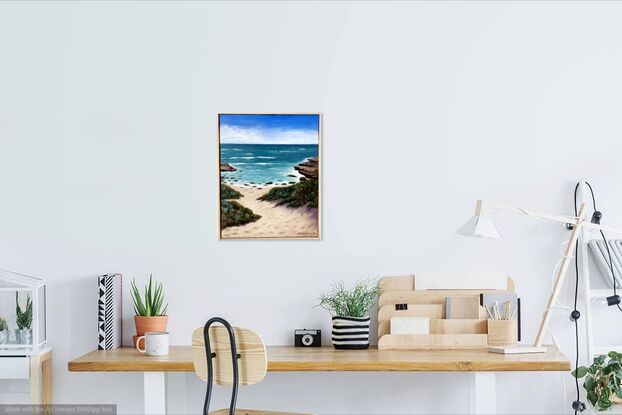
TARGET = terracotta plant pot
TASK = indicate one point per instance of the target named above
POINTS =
(145, 324)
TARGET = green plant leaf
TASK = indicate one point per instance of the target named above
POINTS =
(599, 360)
(592, 397)
(603, 402)
(23, 318)
(356, 302)
(579, 372)
(139, 306)
(150, 304)
(147, 304)
(615, 355)
(149, 298)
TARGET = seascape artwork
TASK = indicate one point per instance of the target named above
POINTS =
(269, 176)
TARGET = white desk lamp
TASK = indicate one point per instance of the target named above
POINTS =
(482, 226)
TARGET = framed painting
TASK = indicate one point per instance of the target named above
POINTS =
(269, 169)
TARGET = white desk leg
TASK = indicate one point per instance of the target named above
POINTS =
(155, 393)
(482, 393)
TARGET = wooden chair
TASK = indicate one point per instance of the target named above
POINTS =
(229, 356)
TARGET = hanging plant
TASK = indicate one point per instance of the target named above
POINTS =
(602, 380)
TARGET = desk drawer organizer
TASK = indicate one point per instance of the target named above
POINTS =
(399, 297)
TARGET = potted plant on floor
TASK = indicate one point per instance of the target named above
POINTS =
(23, 319)
(4, 331)
(350, 311)
(602, 380)
(150, 309)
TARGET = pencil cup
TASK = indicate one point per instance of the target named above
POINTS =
(502, 332)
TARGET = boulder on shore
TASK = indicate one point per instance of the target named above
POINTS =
(309, 168)
(227, 167)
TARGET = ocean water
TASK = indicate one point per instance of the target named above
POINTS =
(264, 163)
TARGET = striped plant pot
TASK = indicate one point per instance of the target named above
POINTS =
(351, 332)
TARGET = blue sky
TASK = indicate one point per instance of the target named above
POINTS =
(269, 129)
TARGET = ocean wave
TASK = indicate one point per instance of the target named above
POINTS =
(266, 157)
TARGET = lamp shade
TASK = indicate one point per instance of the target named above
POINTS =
(481, 227)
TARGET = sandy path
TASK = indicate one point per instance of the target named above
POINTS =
(276, 221)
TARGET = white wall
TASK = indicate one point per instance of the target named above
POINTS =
(108, 155)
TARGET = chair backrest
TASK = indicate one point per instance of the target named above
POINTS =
(252, 364)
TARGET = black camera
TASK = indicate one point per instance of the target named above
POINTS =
(307, 338)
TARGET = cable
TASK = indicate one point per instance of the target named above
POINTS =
(576, 321)
(576, 295)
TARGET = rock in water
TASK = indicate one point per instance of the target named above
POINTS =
(309, 168)
(227, 167)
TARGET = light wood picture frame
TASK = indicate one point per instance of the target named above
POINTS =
(270, 173)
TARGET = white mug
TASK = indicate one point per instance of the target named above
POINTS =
(156, 343)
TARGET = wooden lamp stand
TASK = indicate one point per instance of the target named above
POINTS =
(578, 222)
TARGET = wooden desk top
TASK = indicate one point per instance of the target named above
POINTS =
(326, 359)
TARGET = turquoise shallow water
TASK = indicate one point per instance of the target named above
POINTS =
(264, 163)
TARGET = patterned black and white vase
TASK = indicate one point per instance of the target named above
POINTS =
(351, 332)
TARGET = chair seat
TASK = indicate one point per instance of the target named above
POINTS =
(252, 412)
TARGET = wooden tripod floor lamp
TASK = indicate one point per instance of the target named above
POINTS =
(481, 225)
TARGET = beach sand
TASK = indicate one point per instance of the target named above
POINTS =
(276, 221)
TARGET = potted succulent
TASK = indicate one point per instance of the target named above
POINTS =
(150, 309)
(4, 331)
(602, 380)
(23, 319)
(350, 310)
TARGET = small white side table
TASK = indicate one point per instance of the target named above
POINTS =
(37, 367)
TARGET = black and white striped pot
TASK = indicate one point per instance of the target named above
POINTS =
(351, 332)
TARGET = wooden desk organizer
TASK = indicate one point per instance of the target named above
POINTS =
(400, 298)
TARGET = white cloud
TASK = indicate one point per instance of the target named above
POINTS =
(237, 135)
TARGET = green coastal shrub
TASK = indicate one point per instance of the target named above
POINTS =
(300, 194)
(234, 214)
(227, 192)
